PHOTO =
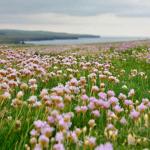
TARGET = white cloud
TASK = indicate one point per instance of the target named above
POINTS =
(103, 17)
(77, 7)
(105, 24)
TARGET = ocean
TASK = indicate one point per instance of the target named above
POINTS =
(83, 40)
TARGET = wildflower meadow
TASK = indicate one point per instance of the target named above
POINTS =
(75, 99)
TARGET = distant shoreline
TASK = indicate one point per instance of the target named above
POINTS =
(20, 36)
(80, 41)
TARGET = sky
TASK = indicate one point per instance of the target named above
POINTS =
(99, 17)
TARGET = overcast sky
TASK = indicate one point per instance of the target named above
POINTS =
(101, 17)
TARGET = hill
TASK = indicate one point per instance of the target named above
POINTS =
(19, 36)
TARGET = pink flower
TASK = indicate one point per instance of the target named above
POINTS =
(84, 109)
(107, 146)
(95, 89)
(106, 105)
(58, 146)
(96, 113)
(38, 147)
(47, 131)
(90, 141)
(113, 100)
(131, 93)
(59, 137)
(111, 93)
(51, 119)
(84, 97)
(44, 92)
(128, 102)
(93, 99)
(122, 96)
(102, 95)
(110, 126)
(91, 105)
(73, 136)
(77, 109)
(145, 101)
(63, 124)
(134, 114)
(43, 140)
(39, 124)
(142, 107)
(33, 132)
(60, 105)
(118, 109)
(74, 82)
(123, 121)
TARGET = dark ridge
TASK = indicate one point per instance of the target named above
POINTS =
(19, 36)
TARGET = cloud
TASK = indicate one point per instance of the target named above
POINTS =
(104, 24)
(104, 17)
(77, 7)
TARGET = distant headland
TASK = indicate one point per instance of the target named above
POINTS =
(11, 36)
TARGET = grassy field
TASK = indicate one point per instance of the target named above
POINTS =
(75, 99)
